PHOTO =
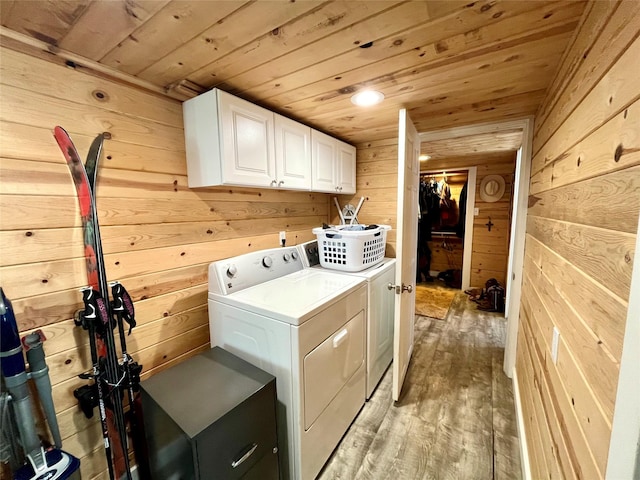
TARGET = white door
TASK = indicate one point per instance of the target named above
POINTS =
(247, 142)
(406, 243)
(293, 154)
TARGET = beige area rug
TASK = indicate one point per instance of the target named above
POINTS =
(433, 300)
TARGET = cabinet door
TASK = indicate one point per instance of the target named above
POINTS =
(248, 155)
(293, 154)
(346, 168)
(323, 162)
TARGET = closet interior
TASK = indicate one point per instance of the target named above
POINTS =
(441, 226)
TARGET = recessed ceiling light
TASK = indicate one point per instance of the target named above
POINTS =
(367, 98)
(424, 158)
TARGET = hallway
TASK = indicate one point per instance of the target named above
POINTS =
(456, 417)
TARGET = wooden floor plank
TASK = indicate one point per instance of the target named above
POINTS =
(456, 416)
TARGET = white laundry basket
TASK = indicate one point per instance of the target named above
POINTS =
(351, 248)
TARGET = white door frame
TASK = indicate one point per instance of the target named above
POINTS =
(468, 223)
(624, 447)
(518, 219)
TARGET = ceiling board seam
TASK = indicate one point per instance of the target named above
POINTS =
(186, 77)
(245, 5)
(75, 21)
(229, 80)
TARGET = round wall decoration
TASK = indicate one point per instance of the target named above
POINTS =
(492, 188)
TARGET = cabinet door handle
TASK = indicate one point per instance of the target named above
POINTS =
(280, 183)
(340, 188)
(273, 182)
(246, 455)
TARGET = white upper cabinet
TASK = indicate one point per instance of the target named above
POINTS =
(333, 165)
(346, 167)
(248, 151)
(293, 154)
(323, 162)
(230, 141)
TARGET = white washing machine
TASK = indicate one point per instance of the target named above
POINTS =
(380, 310)
(306, 327)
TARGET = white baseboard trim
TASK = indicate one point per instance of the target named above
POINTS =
(524, 451)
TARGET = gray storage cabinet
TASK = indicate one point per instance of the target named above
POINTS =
(211, 417)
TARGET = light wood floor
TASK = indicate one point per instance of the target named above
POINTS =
(456, 417)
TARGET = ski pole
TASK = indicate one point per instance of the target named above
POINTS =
(89, 321)
(124, 310)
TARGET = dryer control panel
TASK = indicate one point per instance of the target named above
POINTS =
(237, 273)
(309, 252)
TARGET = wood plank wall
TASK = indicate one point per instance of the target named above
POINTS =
(377, 182)
(446, 253)
(159, 236)
(377, 177)
(581, 234)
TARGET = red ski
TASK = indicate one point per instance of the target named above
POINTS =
(98, 316)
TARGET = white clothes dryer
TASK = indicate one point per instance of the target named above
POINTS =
(307, 328)
(380, 310)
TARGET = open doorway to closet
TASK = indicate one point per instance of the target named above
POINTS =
(443, 197)
(444, 237)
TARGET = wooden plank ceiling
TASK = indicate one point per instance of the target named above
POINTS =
(449, 62)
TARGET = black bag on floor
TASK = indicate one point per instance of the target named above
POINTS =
(495, 294)
(492, 297)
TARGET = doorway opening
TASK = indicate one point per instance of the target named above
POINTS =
(487, 140)
(445, 231)
(441, 226)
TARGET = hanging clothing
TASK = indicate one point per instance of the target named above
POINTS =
(429, 205)
(448, 209)
(429, 212)
(462, 208)
(444, 192)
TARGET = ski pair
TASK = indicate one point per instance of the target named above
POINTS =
(100, 318)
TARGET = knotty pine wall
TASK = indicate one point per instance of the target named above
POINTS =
(377, 182)
(159, 236)
(581, 234)
(377, 177)
(446, 253)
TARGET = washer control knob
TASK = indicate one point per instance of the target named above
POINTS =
(286, 257)
(294, 255)
(231, 271)
(267, 262)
